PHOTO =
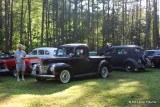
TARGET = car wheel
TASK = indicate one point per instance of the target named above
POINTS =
(129, 67)
(64, 76)
(40, 79)
(104, 72)
(14, 72)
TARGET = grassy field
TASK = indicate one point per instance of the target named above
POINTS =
(116, 91)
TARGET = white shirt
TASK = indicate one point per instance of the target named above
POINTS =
(19, 54)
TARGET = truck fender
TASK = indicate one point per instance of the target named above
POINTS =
(61, 66)
(103, 63)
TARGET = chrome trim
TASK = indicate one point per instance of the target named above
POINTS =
(4, 70)
(39, 75)
(43, 69)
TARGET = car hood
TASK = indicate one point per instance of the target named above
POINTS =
(3, 60)
(46, 61)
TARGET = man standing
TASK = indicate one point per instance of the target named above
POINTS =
(19, 56)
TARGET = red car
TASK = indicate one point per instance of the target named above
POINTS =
(154, 56)
(7, 63)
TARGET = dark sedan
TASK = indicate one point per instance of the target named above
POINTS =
(126, 57)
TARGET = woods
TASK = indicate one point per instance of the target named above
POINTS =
(37, 23)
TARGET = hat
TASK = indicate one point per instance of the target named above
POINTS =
(20, 46)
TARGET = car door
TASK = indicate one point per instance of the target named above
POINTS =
(41, 53)
(121, 56)
(80, 61)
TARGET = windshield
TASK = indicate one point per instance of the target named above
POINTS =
(67, 51)
(6, 56)
(157, 53)
(138, 50)
(149, 53)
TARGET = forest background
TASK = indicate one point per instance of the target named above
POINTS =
(98, 23)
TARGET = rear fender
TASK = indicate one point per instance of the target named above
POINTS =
(104, 63)
(130, 60)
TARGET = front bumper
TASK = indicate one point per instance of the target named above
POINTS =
(40, 75)
(4, 70)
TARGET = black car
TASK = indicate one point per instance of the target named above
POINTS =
(72, 60)
(126, 57)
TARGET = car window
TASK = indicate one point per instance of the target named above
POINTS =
(41, 52)
(67, 51)
(157, 53)
(122, 51)
(34, 52)
(150, 53)
(111, 51)
(81, 52)
(46, 52)
(60, 52)
(138, 50)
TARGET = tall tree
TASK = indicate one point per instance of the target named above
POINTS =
(155, 26)
(21, 31)
(42, 27)
(147, 25)
(29, 25)
(75, 20)
(1, 23)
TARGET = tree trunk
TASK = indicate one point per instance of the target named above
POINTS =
(62, 23)
(1, 19)
(21, 31)
(155, 26)
(11, 25)
(75, 20)
(123, 22)
(42, 27)
(29, 25)
(88, 23)
(7, 25)
(57, 38)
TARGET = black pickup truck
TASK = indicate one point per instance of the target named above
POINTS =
(72, 60)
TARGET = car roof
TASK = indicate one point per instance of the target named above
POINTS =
(74, 45)
(152, 50)
(49, 48)
(126, 46)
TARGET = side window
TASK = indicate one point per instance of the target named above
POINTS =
(111, 51)
(46, 52)
(81, 52)
(34, 52)
(41, 52)
(122, 51)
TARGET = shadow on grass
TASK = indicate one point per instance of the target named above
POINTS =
(97, 86)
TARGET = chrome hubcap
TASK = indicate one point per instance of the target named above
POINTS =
(65, 76)
(104, 72)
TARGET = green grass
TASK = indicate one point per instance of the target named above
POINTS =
(115, 91)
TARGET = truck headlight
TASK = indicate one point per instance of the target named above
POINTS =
(34, 67)
(52, 68)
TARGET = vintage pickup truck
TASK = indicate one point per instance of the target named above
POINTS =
(72, 60)
(7, 63)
